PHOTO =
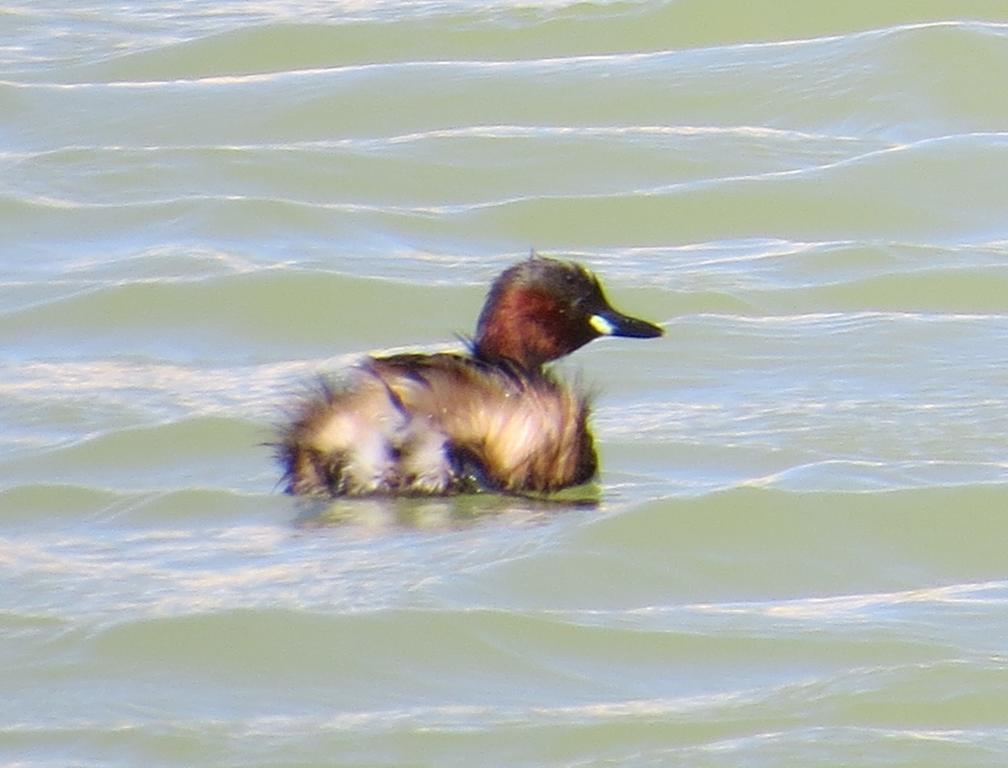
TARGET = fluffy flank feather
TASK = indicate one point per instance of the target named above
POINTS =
(435, 424)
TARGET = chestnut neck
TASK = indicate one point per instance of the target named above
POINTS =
(529, 327)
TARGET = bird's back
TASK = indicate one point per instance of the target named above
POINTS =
(433, 424)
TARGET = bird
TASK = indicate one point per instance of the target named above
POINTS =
(493, 418)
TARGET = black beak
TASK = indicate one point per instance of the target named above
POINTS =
(609, 322)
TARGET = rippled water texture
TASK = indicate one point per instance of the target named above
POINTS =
(798, 553)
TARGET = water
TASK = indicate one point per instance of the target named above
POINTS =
(797, 557)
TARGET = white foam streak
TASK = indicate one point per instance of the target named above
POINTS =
(850, 607)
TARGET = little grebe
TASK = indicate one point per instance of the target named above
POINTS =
(445, 423)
